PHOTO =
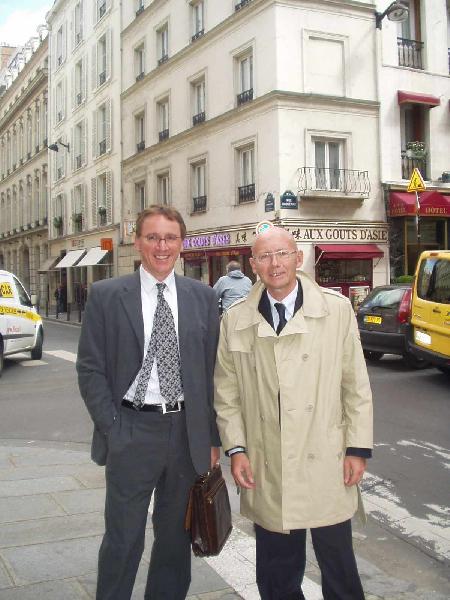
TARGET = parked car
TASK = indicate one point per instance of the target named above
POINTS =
(21, 328)
(430, 312)
(383, 321)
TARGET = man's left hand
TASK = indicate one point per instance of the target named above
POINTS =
(215, 456)
(354, 467)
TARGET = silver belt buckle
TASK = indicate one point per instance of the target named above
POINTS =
(171, 410)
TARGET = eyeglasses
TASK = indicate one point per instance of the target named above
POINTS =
(281, 255)
(155, 239)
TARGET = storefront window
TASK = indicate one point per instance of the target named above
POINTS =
(433, 236)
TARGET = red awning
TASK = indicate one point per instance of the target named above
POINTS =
(347, 251)
(432, 204)
(415, 98)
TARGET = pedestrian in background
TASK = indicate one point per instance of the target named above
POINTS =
(294, 412)
(232, 286)
(145, 370)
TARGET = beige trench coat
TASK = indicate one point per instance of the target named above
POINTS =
(318, 367)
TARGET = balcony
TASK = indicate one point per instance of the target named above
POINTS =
(140, 146)
(163, 135)
(102, 147)
(140, 76)
(79, 98)
(59, 116)
(102, 78)
(246, 193)
(59, 173)
(199, 204)
(410, 162)
(198, 118)
(60, 61)
(241, 4)
(319, 181)
(197, 35)
(78, 38)
(36, 149)
(102, 10)
(409, 53)
(140, 10)
(164, 58)
(78, 161)
(245, 96)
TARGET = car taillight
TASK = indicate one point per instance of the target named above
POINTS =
(404, 310)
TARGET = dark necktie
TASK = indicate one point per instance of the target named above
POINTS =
(281, 309)
(163, 347)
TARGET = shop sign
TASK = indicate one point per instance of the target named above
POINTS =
(203, 241)
(339, 234)
(106, 244)
(288, 200)
(269, 203)
(77, 243)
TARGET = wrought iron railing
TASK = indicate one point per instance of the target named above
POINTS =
(409, 53)
(246, 193)
(240, 4)
(163, 135)
(102, 78)
(245, 96)
(346, 181)
(78, 161)
(163, 59)
(197, 34)
(409, 163)
(140, 146)
(102, 147)
(140, 76)
(199, 118)
(199, 204)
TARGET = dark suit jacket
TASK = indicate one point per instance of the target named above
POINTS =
(111, 350)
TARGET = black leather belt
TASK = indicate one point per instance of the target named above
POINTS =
(159, 408)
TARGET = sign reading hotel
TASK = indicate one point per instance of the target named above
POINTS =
(301, 234)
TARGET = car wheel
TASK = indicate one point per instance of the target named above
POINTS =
(414, 362)
(372, 356)
(445, 370)
(36, 353)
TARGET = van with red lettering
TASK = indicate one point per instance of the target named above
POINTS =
(430, 309)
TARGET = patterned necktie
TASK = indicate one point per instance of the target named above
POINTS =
(281, 309)
(164, 347)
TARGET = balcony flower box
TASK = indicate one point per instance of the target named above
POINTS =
(102, 211)
(57, 222)
(416, 150)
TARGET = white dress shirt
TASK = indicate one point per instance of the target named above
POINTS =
(149, 296)
(289, 303)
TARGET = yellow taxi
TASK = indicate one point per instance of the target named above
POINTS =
(430, 309)
(21, 328)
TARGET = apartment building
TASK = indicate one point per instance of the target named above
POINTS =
(84, 142)
(23, 162)
(414, 81)
(239, 112)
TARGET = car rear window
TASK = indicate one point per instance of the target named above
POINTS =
(433, 282)
(387, 298)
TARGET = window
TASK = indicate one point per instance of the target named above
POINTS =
(14, 147)
(328, 158)
(79, 145)
(78, 208)
(58, 214)
(198, 101)
(198, 26)
(37, 128)
(101, 134)
(101, 199)
(414, 123)
(78, 24)
(246, 174)
(198, 184)
(162, 35)
(140, 195)
(101, 7)
(139, 62)
(140, 7)
(79, 83)
(409, 44)
(60, 164)
(60, 47)
(245, 78)
(101, 60)
(60, 102)
(163, 119)
(139, 124)
(162, 191)
(434, 281)
(29, 134)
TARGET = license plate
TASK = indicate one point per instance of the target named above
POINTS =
(372, 319)
(422, 337)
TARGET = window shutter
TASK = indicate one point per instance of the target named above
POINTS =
(83, 142)
(64, 213)
(83, 204)
(94, 135)
(109, 196)
(83, 82)
(108, 53)
(108, 124)
(94, 67)
(64, 42)
(73, 91)
(94, 210)
(63, 99)
(72, 30)
(72, 146)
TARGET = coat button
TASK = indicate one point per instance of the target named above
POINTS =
(305, 356)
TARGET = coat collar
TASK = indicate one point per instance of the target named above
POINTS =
(314, 306)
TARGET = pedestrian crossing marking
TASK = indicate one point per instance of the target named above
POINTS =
(64, 354)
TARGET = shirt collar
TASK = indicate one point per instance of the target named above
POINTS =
(288, 301)
(148, 281)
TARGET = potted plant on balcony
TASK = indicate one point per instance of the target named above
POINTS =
(102, 211)
(77, 218)
(416, 150)
(57, 222)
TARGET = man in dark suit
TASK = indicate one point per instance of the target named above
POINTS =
(145, 369)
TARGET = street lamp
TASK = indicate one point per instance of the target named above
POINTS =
(396, 11)
(55, 148)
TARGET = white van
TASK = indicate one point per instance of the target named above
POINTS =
(21, 328)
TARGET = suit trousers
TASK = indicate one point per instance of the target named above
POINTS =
(281, 559)
(147, 451)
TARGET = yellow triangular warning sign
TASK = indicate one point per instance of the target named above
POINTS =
(416, 183)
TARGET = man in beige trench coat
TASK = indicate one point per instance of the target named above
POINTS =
(294, 412)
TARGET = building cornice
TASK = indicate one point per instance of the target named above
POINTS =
(24, 97)
(271, 101)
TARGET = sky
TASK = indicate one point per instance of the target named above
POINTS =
(19, 19)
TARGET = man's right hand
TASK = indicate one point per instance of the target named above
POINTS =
(242, 471)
